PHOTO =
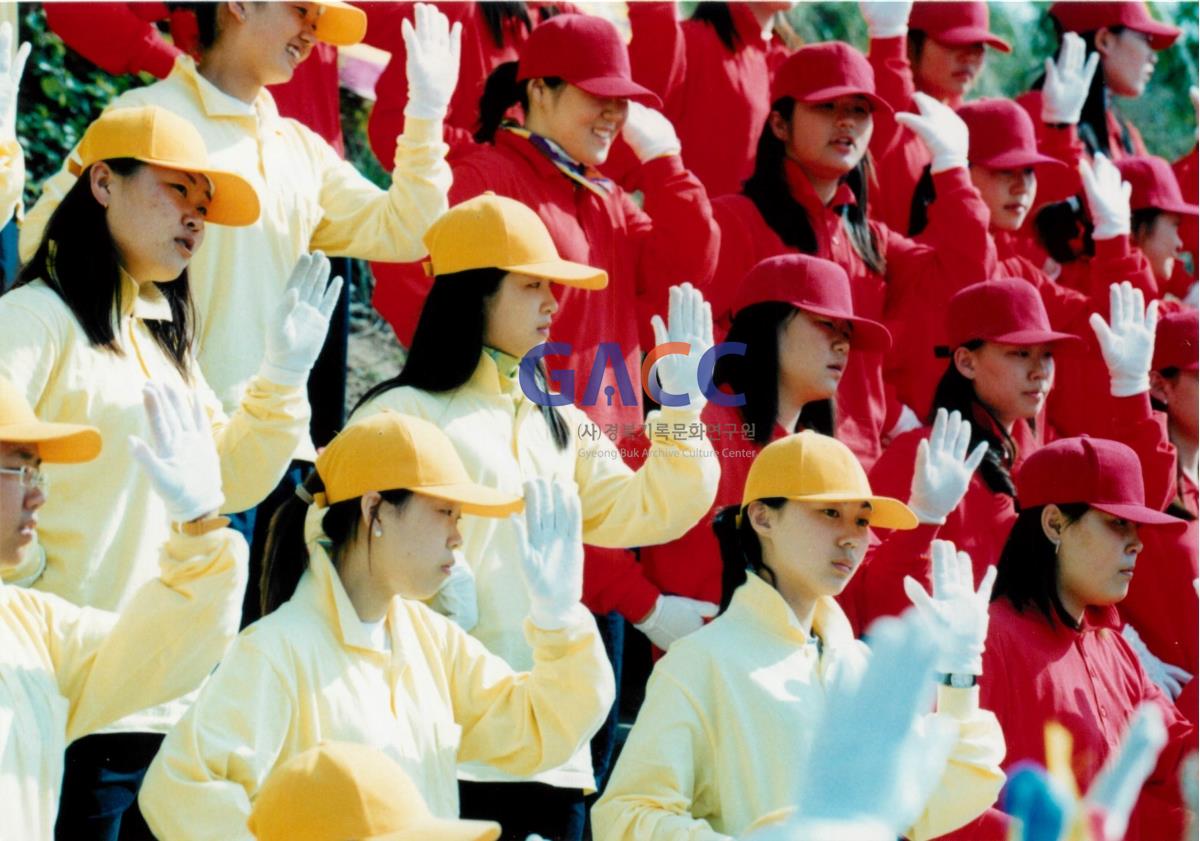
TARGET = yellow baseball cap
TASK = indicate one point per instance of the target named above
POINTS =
(811, 467)
(57, 442)
(390, 451)
(496, 232)
(340, 23)
(156, 136)
(339, 790)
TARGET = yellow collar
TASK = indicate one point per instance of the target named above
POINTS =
(216, 102)
(757, 601)
(144, 301)
(322, 588)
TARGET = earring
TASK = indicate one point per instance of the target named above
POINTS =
(378, 531)
(1057, 546)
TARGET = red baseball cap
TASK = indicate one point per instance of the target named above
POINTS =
(1004, 310)
(1177, 341)
(955, 24)
(588, 52)
(814, 285)
(1154, 185)
(1092, 15)
(1102, 473)
(1002, 136)
(820, 72)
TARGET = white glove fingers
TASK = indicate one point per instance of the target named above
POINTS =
(660, 330)
(976, 458)
(406, 32)
(1089, 70)
(918, 596)
(6, 38)
(962, 440)
(1151, 320)
(18, 66)
(456, 42)
(708, 325)
(182, 411)
(943, 568)
(984, 592)
(1103, 334)
(158, 413)
(674, 312)
(329, 299)
(922, 459)
(937, 438)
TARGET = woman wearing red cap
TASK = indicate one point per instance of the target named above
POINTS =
(731, 708)
(1053, 648)
(808, 194)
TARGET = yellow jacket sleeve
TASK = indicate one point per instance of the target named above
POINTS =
(363, 221)
(161, 646)
(670, 493)
(525, 722)
(12, 179)
(661, 778)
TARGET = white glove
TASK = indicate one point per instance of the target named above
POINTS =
(943, 468)
(906, 422)
(457, 599)
(1170, 679)
(675, 617)
(649, 134)
(1116, 788)
(958, 612)
(690, 320)
(1068, 81)
(301, 321)
(1127, 340)
(183, 465)
(553, 561)
(886, 19)
(431, 65)
(11, 69)
(1107, 197)
(941, 130)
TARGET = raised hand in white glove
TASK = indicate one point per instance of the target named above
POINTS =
(689, 320)
(1107, 197)
(943, 468)
(1127, 340)
(1170, 679)
(433, 48)
(457, 599)
(181, 461)
(941, 130)
(1116, 788)
(675, 617)
(957, 610)
(1068, 81)
(649, 134)
(886, 19)
(553, 561)
(301, 321)
(11, 69)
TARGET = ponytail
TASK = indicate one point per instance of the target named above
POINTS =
(741, 550)
(501, 92)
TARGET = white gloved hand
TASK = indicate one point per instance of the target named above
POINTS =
(675, 617)
(1127, 340)
(649, 134)
(457, 598)
(431, 65)
(943, 468)
(553, 561)
(690, 320)
(182, 462)
(1068, 81)
(886, 19)
(958, 612)
(301, 321)
(11, 69)
(1170, 679)
(941, 130)
(1117, 787)
(1107, 197)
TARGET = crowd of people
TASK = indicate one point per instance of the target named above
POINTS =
(871, 405)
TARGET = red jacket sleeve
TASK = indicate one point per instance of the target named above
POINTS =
(117, 37)
(1137, 425)
(735, 215)
(613, 580)
(894, 84)
(658, 51)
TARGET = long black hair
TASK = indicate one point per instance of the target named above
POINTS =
(741, 549)
(497, 13)
(957, 393)
(756, 374)
(78, 259)
(501, 92)
(1027, 572)
(767, 187)
(286, 554)
(449, 339)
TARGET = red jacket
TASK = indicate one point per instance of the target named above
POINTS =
(1187, 172)
(1036, 671)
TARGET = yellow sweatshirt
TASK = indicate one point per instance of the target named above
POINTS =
(66, 671)
(12, 180)
(503, 441)
(310, 672)
(707, 756)
(310, 199)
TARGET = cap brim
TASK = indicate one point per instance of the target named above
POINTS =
(476, 499)
(1138, 514)
(606, 86)
(886, 513)
(1182, 208)
(1032, 337)
(340, 23)
(1161, 35)
(868, 335)
(962, 36)
(234, 202)
(444, 829)
(1020, 159)
(826, 94)
(65, 443)
(564, 272)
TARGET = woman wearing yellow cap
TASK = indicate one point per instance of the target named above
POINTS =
(731, 709)
(493, 301)
(349, 653)
(66, 671)
(104, 307)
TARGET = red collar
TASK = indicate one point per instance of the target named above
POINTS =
(802, 190)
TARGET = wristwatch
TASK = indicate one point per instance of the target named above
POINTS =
(958, 681)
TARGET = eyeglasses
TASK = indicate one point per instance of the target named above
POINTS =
(31, 477)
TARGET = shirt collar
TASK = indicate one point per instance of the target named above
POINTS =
(760, 603)
(144, 301)
(802, 190)
(216, 102)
